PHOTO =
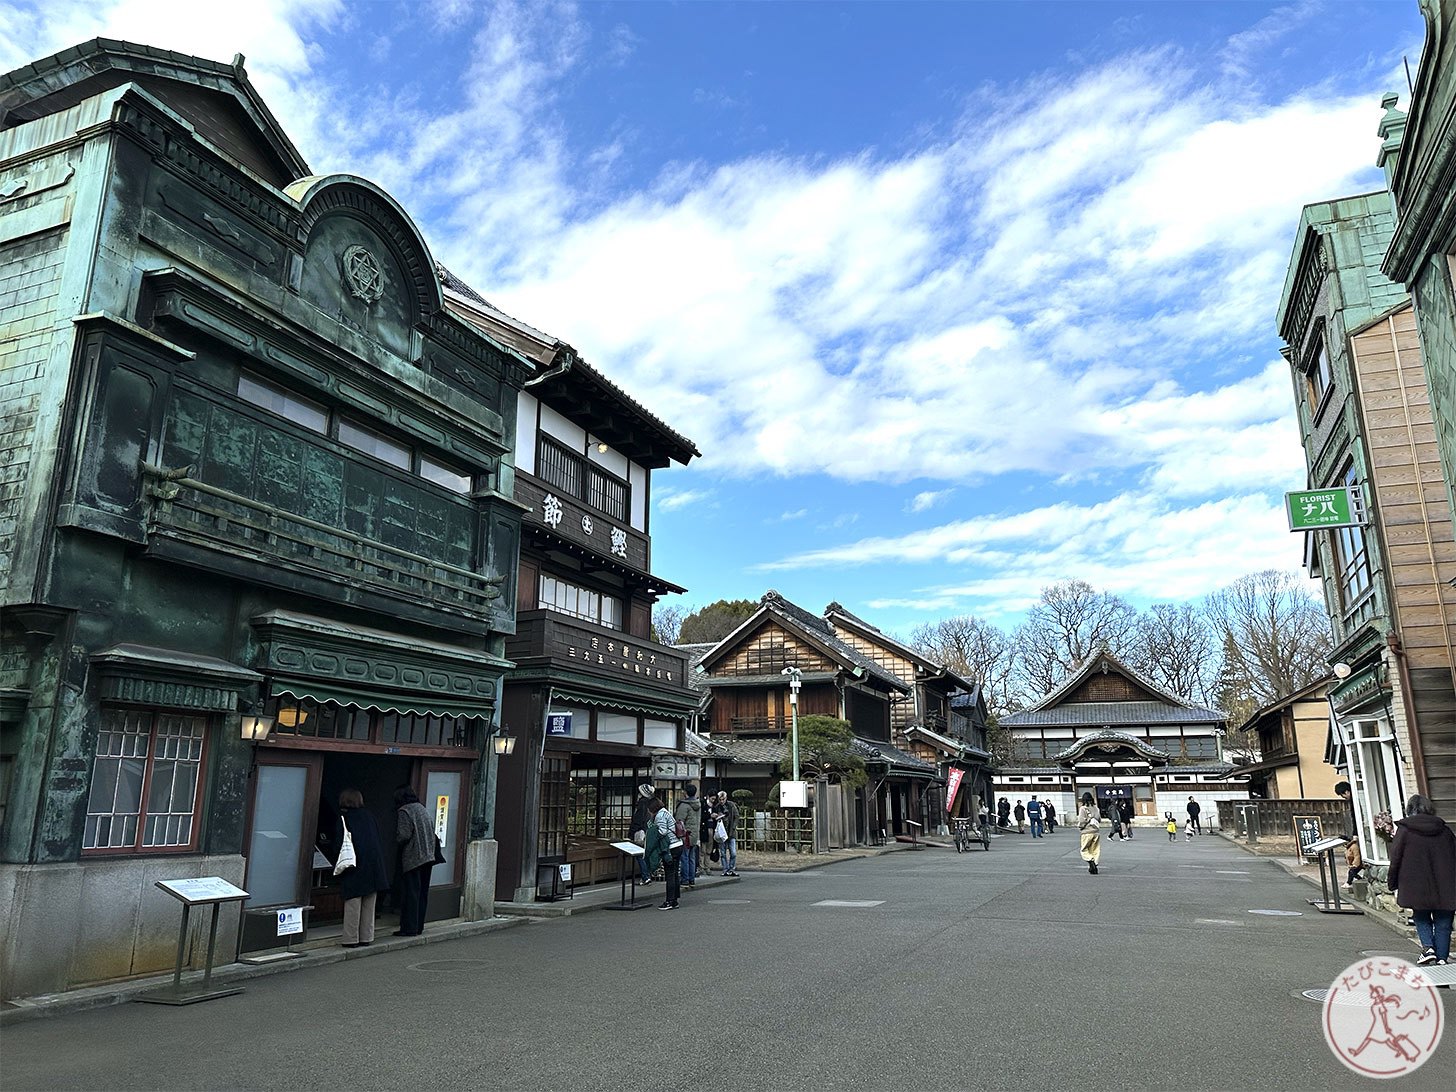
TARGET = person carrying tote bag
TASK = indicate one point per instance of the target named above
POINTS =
(360, 867)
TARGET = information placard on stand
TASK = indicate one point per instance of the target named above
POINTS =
(1324, 851)
(193, 891)
(626, 863)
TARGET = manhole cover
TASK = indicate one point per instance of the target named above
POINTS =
(1278, 913)
(448, 965)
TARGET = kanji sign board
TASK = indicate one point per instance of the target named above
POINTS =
(1311, 509)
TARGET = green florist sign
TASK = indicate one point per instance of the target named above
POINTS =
(1312, 509)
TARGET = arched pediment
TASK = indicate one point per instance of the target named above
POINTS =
(365, 263)
(1108, 746)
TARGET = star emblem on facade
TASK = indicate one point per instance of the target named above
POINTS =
(362, 274)
(586, 525)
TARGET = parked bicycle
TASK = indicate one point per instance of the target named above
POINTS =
(967, 832)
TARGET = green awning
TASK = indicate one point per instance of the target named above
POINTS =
(342, 693)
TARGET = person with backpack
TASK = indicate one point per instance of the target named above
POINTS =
(660, 839)
(687, 815)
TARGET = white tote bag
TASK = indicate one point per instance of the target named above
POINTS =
(347, 858)
(720, 832)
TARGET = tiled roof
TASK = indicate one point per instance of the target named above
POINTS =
(1112, 713)
(871, 750)
(1080, 746)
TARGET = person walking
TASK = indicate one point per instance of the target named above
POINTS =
(1033, 812)
(661, 854)
(1195, 809)
(726, 813)
(642, 811)
(1050, 811)
(415, 835)
(361, 883)
(1087, 823)
(1003, 813)
(1423, 876)
(1020, 812)
(1124, 810)
(688, 812)
(1172, 827)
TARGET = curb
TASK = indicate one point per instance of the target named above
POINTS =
(24, 1009)
(1393, 922)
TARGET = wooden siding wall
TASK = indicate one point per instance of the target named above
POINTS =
(769, 704)
(1414, 517)
(902, 713)
(1108, 687)
(769, 651)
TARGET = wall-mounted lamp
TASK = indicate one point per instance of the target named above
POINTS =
(505, 743)
(255, 727)
(602, 446)
(1341, 670)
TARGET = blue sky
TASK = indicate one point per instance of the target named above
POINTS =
(957, 299)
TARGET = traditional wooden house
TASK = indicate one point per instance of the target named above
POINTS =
(1365, 420)
(598, 706)
(257, 550)
(943, 723)
(1293, 733)
(750, 702)
(1109, 731)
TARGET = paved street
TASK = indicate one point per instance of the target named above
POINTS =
(1013, 969)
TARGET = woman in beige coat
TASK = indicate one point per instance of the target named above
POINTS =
(1087, 823)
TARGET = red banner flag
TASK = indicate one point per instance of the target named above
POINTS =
(952, 787)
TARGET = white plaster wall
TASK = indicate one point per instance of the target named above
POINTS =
(526, 406)
(571, 436)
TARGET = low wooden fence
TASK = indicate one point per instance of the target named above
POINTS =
(777, 831)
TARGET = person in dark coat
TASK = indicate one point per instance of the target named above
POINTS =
(361, 884)
(642, 813)
(1003, 813)
(1423, 877)
(1124, 811)
(415, 835)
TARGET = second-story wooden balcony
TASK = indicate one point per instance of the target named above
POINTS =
(557, 643)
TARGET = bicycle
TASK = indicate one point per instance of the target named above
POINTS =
(962, 835)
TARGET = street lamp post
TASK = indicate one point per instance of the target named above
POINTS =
(795, 681)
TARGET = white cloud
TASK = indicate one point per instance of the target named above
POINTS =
(669, 500)
(926, 500)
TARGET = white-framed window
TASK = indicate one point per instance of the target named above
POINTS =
(1375, 777)
(568, 598)
(146, 782)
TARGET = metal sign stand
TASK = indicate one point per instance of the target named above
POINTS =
(205, 891)
(1322, 851)
(630, 852)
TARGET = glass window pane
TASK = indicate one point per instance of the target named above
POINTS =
(283, 402)
(444, 475)
(372, 443)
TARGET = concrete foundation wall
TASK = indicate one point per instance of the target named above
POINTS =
(75, 924)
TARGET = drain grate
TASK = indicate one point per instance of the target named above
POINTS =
(448, 965)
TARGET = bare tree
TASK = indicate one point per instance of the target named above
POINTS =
(1174, 646)
(1072, 620)
(1275, 640)
(667, 619)
(972, 647)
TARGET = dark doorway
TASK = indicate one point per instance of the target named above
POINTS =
(376, 776)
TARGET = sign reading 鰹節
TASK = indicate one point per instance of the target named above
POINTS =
(1311, 509)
